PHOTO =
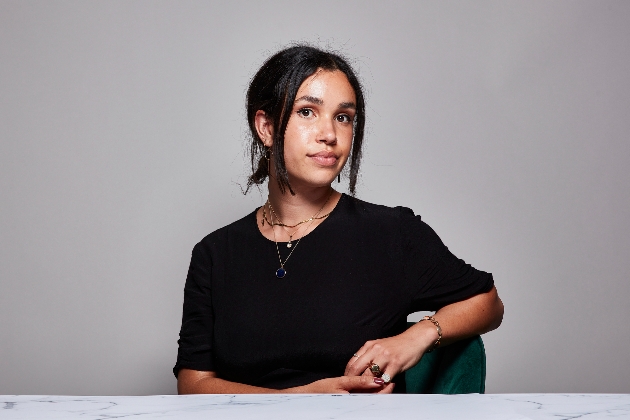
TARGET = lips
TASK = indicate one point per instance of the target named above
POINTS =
(324, 158)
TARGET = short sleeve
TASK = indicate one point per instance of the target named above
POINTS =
(435, 277)
(195, 336)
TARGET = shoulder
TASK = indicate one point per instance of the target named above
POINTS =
(403, 220)
(362, 209)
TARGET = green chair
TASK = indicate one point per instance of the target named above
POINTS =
(459, 368)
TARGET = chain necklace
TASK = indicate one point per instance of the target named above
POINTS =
(281, 272)
(279, 223)
(285, 226)
(290, 244)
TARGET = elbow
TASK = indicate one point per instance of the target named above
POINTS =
(184, 387)
(194, 382)
(498, 318)
(497, 311)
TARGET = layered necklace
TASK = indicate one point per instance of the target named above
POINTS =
(281, 272)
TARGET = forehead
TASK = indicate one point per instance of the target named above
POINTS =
(326, 84)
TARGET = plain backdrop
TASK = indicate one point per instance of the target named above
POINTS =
(504, 124)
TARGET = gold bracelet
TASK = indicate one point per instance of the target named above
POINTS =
(439, 331)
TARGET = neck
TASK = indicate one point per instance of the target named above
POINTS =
(304, 204)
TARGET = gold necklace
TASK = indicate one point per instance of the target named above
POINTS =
(279, 223)
(281, 272)
(290, 243)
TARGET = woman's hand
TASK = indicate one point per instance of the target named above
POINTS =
(345, 385)
(394, 354)
(473, 316)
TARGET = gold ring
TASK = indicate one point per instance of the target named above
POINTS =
(375, 369)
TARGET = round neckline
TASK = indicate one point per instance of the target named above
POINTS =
(332, 213)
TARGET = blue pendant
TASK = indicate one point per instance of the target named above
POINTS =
(281, 272)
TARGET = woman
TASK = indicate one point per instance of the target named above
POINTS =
(311, 292)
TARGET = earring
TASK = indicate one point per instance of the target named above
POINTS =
(338, 178)
(268, 157)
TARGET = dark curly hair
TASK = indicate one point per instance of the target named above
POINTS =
(273, 91)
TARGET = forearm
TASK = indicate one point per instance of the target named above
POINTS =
(196, 382)
(474, 316)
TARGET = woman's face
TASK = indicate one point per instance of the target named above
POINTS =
(318, 137)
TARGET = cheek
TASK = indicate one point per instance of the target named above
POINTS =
(346, 138)
(294, 146)
(296, 139)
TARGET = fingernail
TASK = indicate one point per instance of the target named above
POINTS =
(379, 381)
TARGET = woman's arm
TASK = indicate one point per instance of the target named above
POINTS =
(198, 382)
(473, 316)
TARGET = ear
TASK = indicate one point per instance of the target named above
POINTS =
(264, 127)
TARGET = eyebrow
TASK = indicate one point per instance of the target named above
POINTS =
(318, 101)
(310, 99)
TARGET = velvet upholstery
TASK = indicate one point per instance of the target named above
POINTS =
(459, 368)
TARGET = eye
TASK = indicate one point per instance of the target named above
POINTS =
(343, 118)
(305, 112)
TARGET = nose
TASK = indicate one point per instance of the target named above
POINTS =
(327, 132)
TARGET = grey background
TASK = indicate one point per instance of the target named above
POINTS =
(504, 124)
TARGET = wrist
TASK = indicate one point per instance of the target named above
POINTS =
(425, 335)
(438, 332)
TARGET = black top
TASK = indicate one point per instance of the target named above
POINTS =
(354, 278)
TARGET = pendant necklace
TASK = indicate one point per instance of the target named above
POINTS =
(291, 235)
(285, 226)
(290, 244)
(281, 272)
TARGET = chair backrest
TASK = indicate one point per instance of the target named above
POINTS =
(459, 368)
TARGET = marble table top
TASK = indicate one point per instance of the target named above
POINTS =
(311, 407)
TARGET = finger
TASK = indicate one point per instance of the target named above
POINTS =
(387, 377)
(387, 389)
(375, 352)
(357, 368)
(357, 383)
(364, 370)
(360, 364)
(379, 360)
(382, 360)
(353, 360)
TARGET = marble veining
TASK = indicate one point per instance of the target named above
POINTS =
(311, 407)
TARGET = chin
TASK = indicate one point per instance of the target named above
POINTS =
(319, 181)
